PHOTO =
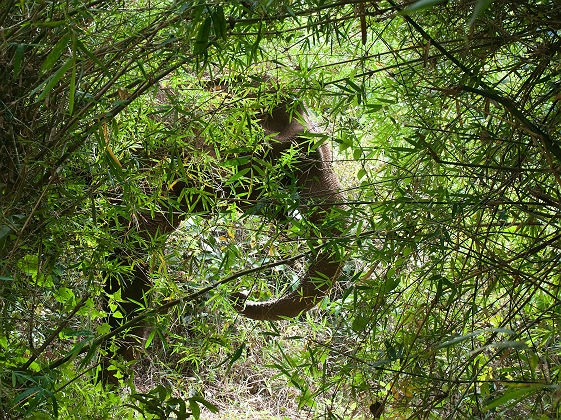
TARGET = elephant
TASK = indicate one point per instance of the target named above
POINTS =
(287, 127)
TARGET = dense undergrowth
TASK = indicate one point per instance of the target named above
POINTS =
(444, 125)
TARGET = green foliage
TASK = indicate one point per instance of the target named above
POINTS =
(445, 131)
(159, 403)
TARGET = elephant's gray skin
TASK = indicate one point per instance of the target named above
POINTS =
(320, 190)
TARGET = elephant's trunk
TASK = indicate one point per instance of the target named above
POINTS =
(313, 287)
(320, 187)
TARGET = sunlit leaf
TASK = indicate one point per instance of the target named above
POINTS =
(421, 5)
(480, 7)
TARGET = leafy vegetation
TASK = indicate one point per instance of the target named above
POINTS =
(444, 122)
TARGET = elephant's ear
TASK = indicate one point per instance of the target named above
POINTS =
(287, 120)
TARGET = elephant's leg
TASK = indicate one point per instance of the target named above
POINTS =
(134, 287)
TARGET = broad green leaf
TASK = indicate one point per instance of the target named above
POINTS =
(201, 41)
(35, 367)
(390, 284)
(64, 295)
(53, 80)
(513, 394)
(29, 264)
(361, 173)
(117, 314)
(103, 329)
(55, 53)
(359, 323)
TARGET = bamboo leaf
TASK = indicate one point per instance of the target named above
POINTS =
(72, 92)
(219, 22)
(513, 394)
(206, 403)
(235, 356)
(237, 176)
(83, 48)
(457, 340)
(195, 410)
(18, 58)
(53, 80)
(150, 338)
(201, 42)
(421, 5)
(50, 24)
(520, 345)
(27, 393)
(72, 87)
(480, 7)
(55, 53)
